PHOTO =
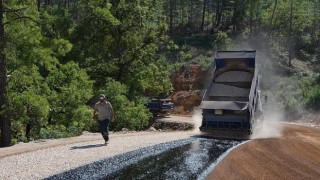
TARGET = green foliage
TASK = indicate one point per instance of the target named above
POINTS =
(53, 132)
(197, 40)
(27, 103)
(56, 54)
(30, 108)
(205, 62)
(115, 42)
(128, 114)
(289, 95)
(304, 45)
(311, 92)
(71, 88)
(297, 94)
(152, 80)
(133, 117)
(184, 56)
(81, 121)
(222, 41)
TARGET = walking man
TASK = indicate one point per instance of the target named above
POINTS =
(104, 112)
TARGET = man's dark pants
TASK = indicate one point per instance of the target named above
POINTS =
(104, 128)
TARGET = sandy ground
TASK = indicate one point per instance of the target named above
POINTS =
(295, 155)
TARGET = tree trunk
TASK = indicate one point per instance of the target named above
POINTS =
(171, 17)
(290, 33)
(234, 19)
(28, 130)
(314, 25)
(39, 5)
(251, 18)
(219, 12)
(4, 119)
(270, 32)
(203, 14)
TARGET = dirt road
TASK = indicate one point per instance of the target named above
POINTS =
(295, 155)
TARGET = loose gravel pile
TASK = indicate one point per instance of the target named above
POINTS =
(218, 90)
(235, 76)
(222, 89)
(47, 162)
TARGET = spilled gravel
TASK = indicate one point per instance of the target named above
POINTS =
(182, 159)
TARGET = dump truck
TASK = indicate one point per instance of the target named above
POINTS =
(231, 103)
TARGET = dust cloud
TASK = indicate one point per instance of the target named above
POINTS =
(270, 126)
(197, 119)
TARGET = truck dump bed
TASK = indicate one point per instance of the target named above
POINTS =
(230, 103)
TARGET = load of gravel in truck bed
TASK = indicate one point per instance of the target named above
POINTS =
(221, 90)
(234, 76)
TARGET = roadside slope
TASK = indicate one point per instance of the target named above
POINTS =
(296, 155)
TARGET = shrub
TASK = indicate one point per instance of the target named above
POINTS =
(222, 41)
(52, 133)
(71, 88)
(205, 62)
(128, 114)
(311, 92)
(27, 101)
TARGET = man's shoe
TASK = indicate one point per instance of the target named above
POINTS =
(106, 143)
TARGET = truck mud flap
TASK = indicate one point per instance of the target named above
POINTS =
(226, 133)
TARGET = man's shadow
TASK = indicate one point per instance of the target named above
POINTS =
(87, 147)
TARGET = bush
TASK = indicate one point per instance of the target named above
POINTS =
(132, 117)
(82, 119)
(311, 92)
(222, 41)
(71, 88)
(205, 62)
(128, 114)
(52, 133)
(199, 40)
(289, 95)
(297, 94)
(27, 101)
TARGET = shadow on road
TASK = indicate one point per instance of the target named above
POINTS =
(87, 147)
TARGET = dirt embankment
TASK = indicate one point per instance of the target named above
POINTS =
(296, 155)
(188, 85)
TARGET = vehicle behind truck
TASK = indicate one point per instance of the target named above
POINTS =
(160, 106)
(231, 103)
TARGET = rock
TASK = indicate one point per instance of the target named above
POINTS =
(152, 129)
(85, 133)
(125, 130)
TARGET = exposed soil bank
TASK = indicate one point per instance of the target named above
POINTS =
(295, 155)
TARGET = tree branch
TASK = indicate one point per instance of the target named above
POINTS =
(13, 10)
(22, 17)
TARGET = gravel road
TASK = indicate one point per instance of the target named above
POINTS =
(55, 156)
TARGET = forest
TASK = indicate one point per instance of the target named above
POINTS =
(57, 54)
